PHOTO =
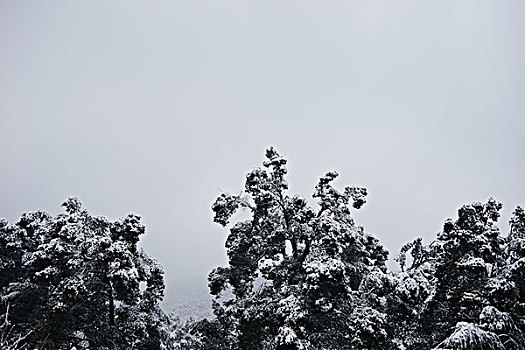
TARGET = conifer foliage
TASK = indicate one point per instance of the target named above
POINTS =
(302, 277)
(295, 271)
(75, 280)
(299, 277)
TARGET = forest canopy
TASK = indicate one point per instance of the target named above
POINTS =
(299, 276)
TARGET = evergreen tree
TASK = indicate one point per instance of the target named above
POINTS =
(411, 288)
(471, 251)
(510, 288)
(294, 271)
(76, 280)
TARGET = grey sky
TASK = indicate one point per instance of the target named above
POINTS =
(152, 106)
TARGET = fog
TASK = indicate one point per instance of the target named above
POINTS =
(155, 107)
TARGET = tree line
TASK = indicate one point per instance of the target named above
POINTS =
(298, 277)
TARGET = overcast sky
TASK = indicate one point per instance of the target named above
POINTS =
(153, 106)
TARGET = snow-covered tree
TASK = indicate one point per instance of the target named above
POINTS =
(410, 289)
(510, 288)
(471, 251)
(495, 330)
(299, 277)
(474, 301)
(178, 334)
(80, 280)
(294, 271)
(9, 339)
